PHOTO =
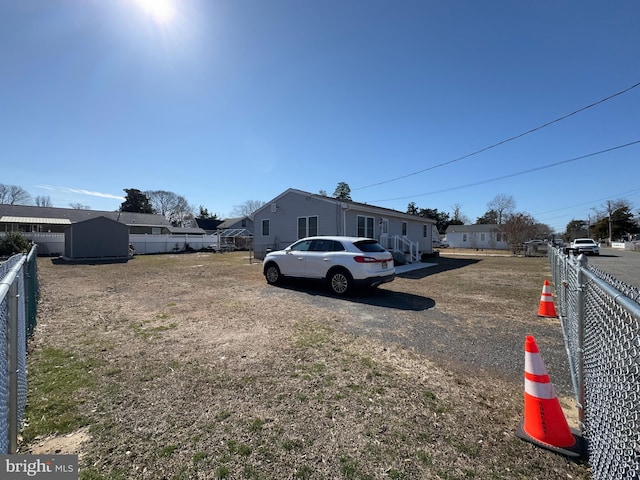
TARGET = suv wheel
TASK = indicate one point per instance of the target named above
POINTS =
(340, 282)
(272, 273)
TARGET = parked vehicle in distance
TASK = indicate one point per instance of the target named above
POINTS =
(343, 262)
(436, 243)
(584, 245)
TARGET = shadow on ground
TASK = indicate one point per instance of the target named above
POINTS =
(443, 264)
(367, 296)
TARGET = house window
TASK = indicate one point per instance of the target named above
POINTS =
(266, 224)
(244, 223)
(464, 237)
(365, 226)
(307, 226)
(501, 237)
(482, 237)
(424, 231)
(404, 228)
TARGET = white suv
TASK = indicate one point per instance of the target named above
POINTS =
(586, 246)
(343, 262)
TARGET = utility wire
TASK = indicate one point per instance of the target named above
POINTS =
(523, 172)
(510, 139)
(589, 203)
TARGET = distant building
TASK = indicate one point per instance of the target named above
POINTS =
(479, 236)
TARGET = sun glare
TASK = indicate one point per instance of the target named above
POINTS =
(161, 11)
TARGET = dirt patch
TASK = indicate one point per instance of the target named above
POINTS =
(205, 371)
(69, 444)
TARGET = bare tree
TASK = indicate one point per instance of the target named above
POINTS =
(519, 228)
(172, 206)
(14, 195)
(79, 206)
(459, 218)
(42, 201)
(503, 205)
(247, 208)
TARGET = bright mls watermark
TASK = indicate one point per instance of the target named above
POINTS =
(50, 467)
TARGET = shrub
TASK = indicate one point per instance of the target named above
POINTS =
(12, 243)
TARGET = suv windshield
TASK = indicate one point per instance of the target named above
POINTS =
(369, 246)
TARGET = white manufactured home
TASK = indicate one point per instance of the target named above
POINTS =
(479, 236)
(296, 214)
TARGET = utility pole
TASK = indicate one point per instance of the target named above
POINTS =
(609, 210)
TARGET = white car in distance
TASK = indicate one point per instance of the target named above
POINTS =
(343, 262)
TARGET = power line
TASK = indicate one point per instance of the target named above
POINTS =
(510, 139)
(609, 197)
(523, 172)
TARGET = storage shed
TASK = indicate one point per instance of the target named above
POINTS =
(98, 238)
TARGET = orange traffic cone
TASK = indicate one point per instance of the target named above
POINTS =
(547, 308)
(544, 423)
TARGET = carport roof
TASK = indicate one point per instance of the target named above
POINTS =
(34, 220)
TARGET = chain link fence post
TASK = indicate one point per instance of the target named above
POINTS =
(581, 319)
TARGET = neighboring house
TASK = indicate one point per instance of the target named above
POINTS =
(480, 236)
(30, 219)
(148, 233)
(296, 214)
(236, 233)
(237, 223)
(209, 225)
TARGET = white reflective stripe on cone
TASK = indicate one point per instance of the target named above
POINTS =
(539, 390)
(533, 364)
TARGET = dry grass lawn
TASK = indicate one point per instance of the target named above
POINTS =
(192, 367)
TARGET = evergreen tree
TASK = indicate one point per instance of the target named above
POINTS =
(490, 217)
(343, 191)
(136, 202)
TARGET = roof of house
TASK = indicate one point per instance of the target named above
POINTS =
(54, 215)
(187, 230)
(230, 222)
(207, 223)
(479, 227)
(351, 204)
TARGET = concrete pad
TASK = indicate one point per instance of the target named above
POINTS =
(410, 267)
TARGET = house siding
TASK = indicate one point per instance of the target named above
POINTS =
(476, 237)
(283, 222)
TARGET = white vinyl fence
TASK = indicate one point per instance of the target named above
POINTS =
(148, 244)
(53, 243)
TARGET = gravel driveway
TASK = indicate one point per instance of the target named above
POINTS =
(465, 341)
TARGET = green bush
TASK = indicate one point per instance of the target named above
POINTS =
(12, 243)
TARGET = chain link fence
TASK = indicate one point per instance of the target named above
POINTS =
(18, 300)
(601, 326)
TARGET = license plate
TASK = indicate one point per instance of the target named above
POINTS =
(384, 265)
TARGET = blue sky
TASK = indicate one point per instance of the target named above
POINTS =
(229, 101)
